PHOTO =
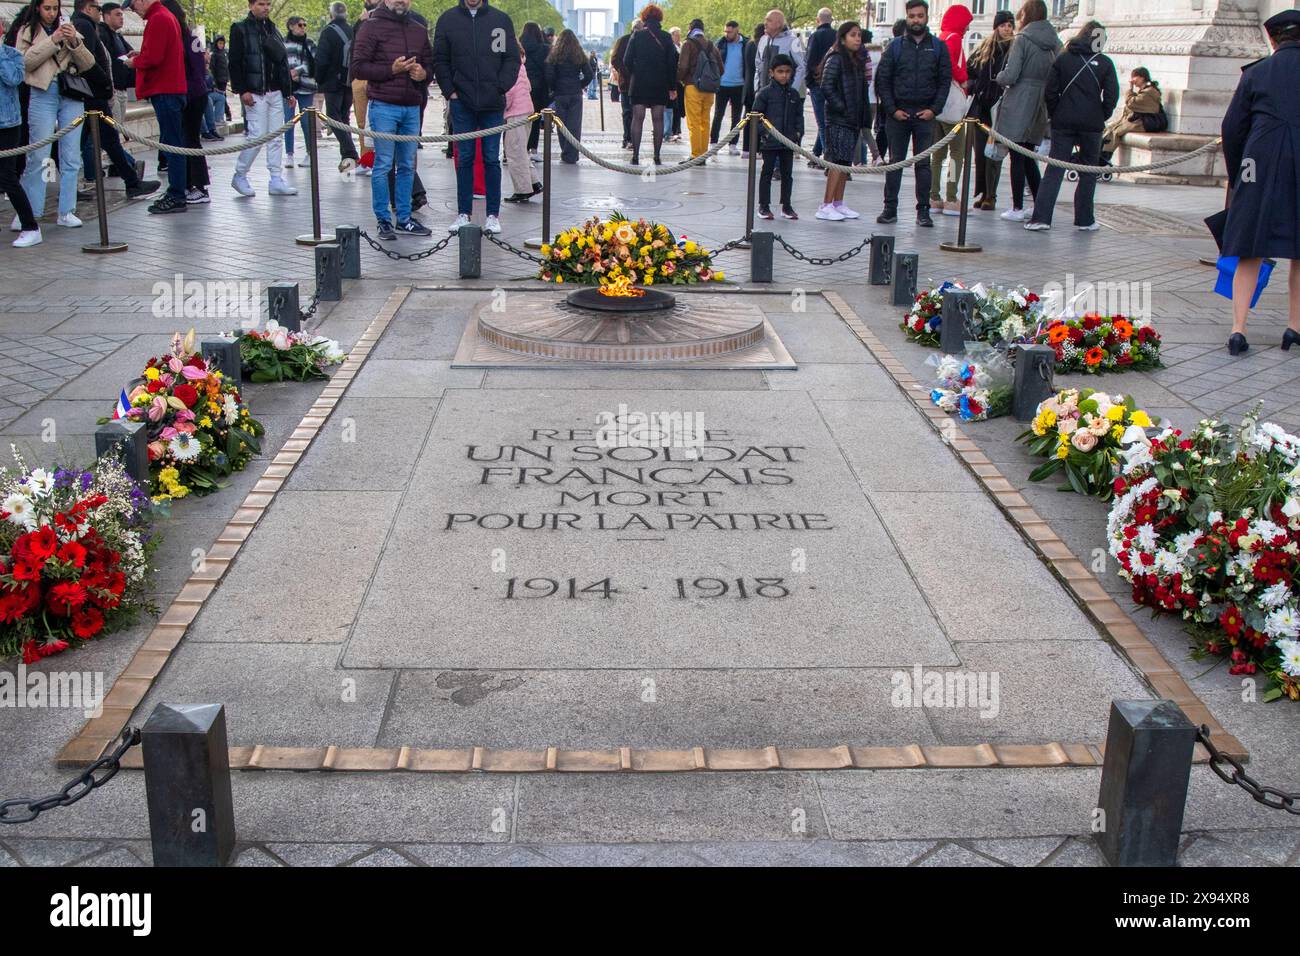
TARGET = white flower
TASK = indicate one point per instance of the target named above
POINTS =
(1146, 537)
(1282, 623)
(21, 510)
(230, 409)
(1275, 596)
(1265, 529)
(184, 447)
(40, 482)
(1290, 657)
(1215, 517)
(1291, 507)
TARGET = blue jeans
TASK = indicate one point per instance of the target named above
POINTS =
(288, 114)
(819, 113)
(405, 120)
(463, 120)
(167, 107)
(215, 111)
(46, 112)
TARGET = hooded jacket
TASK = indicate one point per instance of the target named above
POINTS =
(1022, 115)
(476, 57)
(1082, 89)
(952, 31)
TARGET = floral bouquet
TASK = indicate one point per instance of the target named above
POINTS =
(1207, 526)
(279, 354)
(921, 323)
(977, 387)
(1082, 432)
(1001, 316)
(200, 432)
(599, 252)
(74, 555)
(1097, 343)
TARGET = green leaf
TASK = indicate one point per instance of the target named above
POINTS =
(1076, 480)
(1046, 470)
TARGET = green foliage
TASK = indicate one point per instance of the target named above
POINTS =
(798, 13)
(218, 15)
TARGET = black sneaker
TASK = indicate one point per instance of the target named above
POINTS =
(887, 217)
(413, 227)
(386, 230)
(419, 201)
(168, 204)
(765, 212)
(923, 219)
(143, 188)
(787, 212)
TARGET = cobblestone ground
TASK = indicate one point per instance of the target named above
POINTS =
(74, 327)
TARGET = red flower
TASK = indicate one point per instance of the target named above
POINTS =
(195, 361)
(73, 554)
(1091, 320)
(187, 394)
(26, 570)
(1145, 514)
(13, 605)
(1231, 621)
(65, 597)
(52, 645)
(30, 654)
(87, 623)
(154, 387)
(40, 544)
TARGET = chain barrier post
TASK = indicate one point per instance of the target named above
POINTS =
(128, 440)
(101, 203)
(282, 305)
(548, 117)
(224, 353)
(752, 184)
(470, 240)
(957, 309)
(968, 157)
(329, 278)
(760, 256)
(187, 785)
(1144, 779)
(349, 240)
(1035, 366)
(313, 137)
(882, 259)
(906, 267)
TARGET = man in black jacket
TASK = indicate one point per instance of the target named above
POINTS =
(1082, 91)
(912, 86)
(86, 19)
(475, 62)
(822, 39)
(333, 57)
(259, 74)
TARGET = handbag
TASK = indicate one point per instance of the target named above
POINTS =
(955, 107)
(75, 87)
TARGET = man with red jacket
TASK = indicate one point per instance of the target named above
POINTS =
(952, 31)
(160, 78)
(392, 54)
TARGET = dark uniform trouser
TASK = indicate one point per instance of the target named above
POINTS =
(338, 107)
(920, 133)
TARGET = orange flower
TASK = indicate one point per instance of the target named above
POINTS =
(1058, 333)
(1094, 356)
(1123, 328)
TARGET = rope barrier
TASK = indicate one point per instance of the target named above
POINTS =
(1098, 170)
(434, 138)
(840, 168)
(238, 147)
(618, 167)
(32, 147)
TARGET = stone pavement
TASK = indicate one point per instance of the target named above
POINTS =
(274, 641)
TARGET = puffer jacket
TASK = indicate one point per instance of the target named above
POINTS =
(258, 61)
(519, 101)
(844, 85)
(476, 57)
(1082, 89)
(536, 51)
(783, 108)
(382, 38)
(301, 53)
(1022, 115)
(914, 75)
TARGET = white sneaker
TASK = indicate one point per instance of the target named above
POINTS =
(347, 164)
(279, 187)
(1093, 228)
(306, 160)
(26, 239)
(241, 185)
(1037, 226)
(69, 220)
(844, 211)
(492, 224)
(827, 211)
(288, 161)
(461, 220)
(16, 225)
(1015, 215)
(952, 209)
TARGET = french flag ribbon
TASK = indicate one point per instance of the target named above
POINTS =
(123, 406)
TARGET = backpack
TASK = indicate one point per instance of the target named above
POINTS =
(345, 58)
(1155, 122)
(708, 78)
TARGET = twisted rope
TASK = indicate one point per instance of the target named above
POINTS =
(840, 168)
(1079, 168)
(32, 147)
(434, 138)
(238, 147)
(657, 170)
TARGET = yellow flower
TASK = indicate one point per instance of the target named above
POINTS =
(645, 250)
(205, 422)
(559, 279)
(1117, 432)
(719, 276)
(151, 374)
(546, 250)
(1064, 450)
(1116, 413)
(649, 279)
(690, 246)
(1141, 419)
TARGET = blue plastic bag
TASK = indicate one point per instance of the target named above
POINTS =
(1227, 267)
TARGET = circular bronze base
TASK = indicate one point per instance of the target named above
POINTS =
(97, 249)
(310, 240)
(697, 327)
(651, 300)
(958, 247)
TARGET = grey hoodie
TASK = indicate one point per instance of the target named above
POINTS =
(1022, 115)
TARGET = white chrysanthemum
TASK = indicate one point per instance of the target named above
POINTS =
(184, 447)
(1186, 541)
(1265, 529)
(230, 409)
(21, 510)
(1282, 623)
(1146, 537)
(1275, 596)
(1290, 657)
(1168, 562)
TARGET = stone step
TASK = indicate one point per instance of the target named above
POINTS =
(1139, 148)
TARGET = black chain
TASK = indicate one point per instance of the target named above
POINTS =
(75, 789)
(308, 312)
(1271, 797)
(415, 257)
(823, 260)
(740, 243)
(521, 253)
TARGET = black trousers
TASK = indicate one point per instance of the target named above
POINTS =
(732, 96)
(10, 138)
(196, 167)
(625, 102)
(540, 102)
(771, 157)
(121, 161)
(338, 107)
(920, 133)
(1024, 171)
(1063, 144)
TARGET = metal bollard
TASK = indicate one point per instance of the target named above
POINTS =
(906, 266)
(882, 259)
(968, 154)
(470, 238)
(751, 184)
(313, 137)
(224, 354)
(958, 307)
(329, 282)
(1144, 780)
(187, 785)
(130, 441)
(1034, 367)
(282, 305)
(93, 119)
(760, 256)
(349, 241)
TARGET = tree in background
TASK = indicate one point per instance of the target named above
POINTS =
(798, 13)
(218, 15)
